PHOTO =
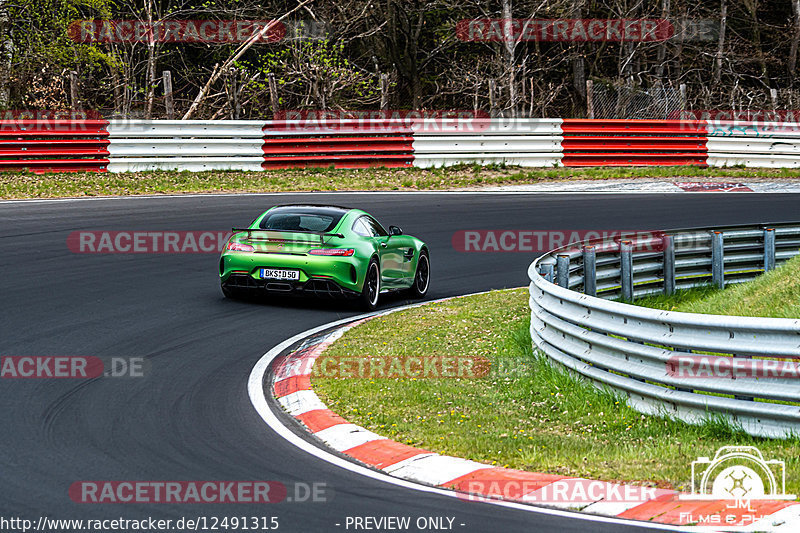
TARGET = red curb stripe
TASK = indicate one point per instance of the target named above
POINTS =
(667, 509)
(384, 452)
(503, 482)
(292, 384)
(320, 419)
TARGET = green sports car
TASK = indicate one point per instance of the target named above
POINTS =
(325, 251)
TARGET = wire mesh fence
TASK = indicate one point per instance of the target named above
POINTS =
(635, 103)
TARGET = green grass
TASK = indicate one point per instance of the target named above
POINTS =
(527, 413)
(775, 294)
(25, 185)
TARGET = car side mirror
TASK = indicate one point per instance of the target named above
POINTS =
(394, 230)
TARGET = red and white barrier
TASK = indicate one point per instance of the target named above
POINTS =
(597, 143)
(252, 145)
(53, 145)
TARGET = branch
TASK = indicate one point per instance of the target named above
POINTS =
(245, 46)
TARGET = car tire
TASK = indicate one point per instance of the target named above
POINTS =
(422, 277)
(372, 287)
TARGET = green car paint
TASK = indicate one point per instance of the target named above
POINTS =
(289, 240)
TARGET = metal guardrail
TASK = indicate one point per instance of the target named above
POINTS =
(617, 142)
(53, 145)
(341, 143)
(681, 364)
(139, 145)
(753, 144)
(512, 141)
(195, 145)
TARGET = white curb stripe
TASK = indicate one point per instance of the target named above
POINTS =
(390, 469)
(787, 520)
(546, 494)
(434, 469)
(301, 402)
(610, 508)
(342, 437)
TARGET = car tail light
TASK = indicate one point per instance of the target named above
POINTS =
(239, 247)
(339, 252)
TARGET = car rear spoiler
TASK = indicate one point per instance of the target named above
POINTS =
(320, 234)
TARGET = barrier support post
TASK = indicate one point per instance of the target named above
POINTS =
(589, 271)
(769, 249)
(562, 271)
(548, 272)
(717, 259)
(668, 246)
(626, 270)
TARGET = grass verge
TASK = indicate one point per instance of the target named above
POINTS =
(526, 413)
(25, 185)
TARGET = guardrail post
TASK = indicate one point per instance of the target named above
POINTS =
(717, 259)
(626, 270)
(737, 396)
(546, 271)
(769, 249)
(589, 271)
(668, 246)
(562, 271)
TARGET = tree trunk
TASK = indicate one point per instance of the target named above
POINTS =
(752, 6)
(6, 55)
(723, 21)
(151, 63)
(662, 47)
(169, 105)
(509, 47)
(273, 95)
(385, 91)
(795, 40)
(578, 67)
(73, 91)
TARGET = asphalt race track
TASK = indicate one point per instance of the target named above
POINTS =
(190, 418)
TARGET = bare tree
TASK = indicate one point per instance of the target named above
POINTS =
(723, 21)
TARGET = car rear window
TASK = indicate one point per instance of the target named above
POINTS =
(282, 219)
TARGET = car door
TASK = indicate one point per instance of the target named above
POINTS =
(368, 228)
(396, 253)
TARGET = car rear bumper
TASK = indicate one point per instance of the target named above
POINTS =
(317, 287)
(345, 273)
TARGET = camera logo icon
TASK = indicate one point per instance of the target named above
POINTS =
(738, 473)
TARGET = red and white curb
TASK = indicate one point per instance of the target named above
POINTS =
(420, 469)
(651, 186)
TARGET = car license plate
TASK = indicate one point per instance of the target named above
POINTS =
(276, 273)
